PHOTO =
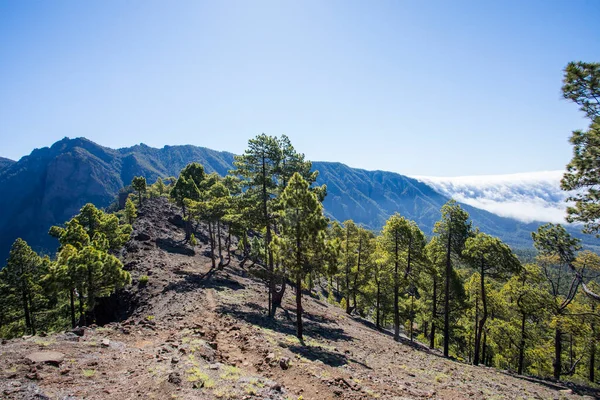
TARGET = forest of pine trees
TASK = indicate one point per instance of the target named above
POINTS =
(459, 290)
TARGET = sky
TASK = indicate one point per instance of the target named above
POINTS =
(438, 88)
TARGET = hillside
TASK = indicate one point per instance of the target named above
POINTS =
(193, 333)
(50, 185)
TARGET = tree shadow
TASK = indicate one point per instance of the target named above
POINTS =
(172, 246)
(578, 389)
(403, 340)
(314, 353)
(209, 280)
(314, 326)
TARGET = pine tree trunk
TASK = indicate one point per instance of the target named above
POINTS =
(81, 313)
(348, 309)
(433, 313)
(484, 347)
(31, 314)
(412, 305)
(91, 298)
(299, 327)
(557, 353)
(483, 317)
(571, 355)
(593, 349)
(212, 244)
(447, 297)
(476, 322)
(355, 288)
(228, 244)
(378, 306)
(522, 346)
(593, 357)
(28, 323)
(396, 297)
(219, 242)
(72, 301)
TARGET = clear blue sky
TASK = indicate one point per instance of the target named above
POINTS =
(418, 87)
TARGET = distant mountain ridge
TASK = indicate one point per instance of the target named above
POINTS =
(50, 185)
(5, 162)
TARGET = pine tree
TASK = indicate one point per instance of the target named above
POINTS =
(69, 276)
(491, 259)
(160, 186)
(23, 273)
(258, 168)
(139, 185)
(453, 229)
(404, 242)
(301, 246)
(89, 222)
(130, 211)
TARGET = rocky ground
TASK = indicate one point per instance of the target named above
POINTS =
(194, 333)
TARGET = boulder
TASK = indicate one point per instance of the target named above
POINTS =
(46, 357)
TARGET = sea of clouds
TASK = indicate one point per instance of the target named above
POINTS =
(528, 197)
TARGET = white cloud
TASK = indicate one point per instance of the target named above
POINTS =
(528, 197)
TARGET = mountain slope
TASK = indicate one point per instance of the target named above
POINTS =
(51, 184)
(192, 332)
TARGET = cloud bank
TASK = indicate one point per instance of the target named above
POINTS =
(527, 197)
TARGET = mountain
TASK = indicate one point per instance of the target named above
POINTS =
(50, 185)
(5, 162)
(370, 197)
(527, 197)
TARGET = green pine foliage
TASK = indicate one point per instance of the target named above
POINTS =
(39, 294)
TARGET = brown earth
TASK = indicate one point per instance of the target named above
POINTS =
(196, 333)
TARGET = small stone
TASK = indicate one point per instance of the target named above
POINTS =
(105, 343)
(284, 363)
(174, 360)
(79, 331)
(33, 376)
(175, 378)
